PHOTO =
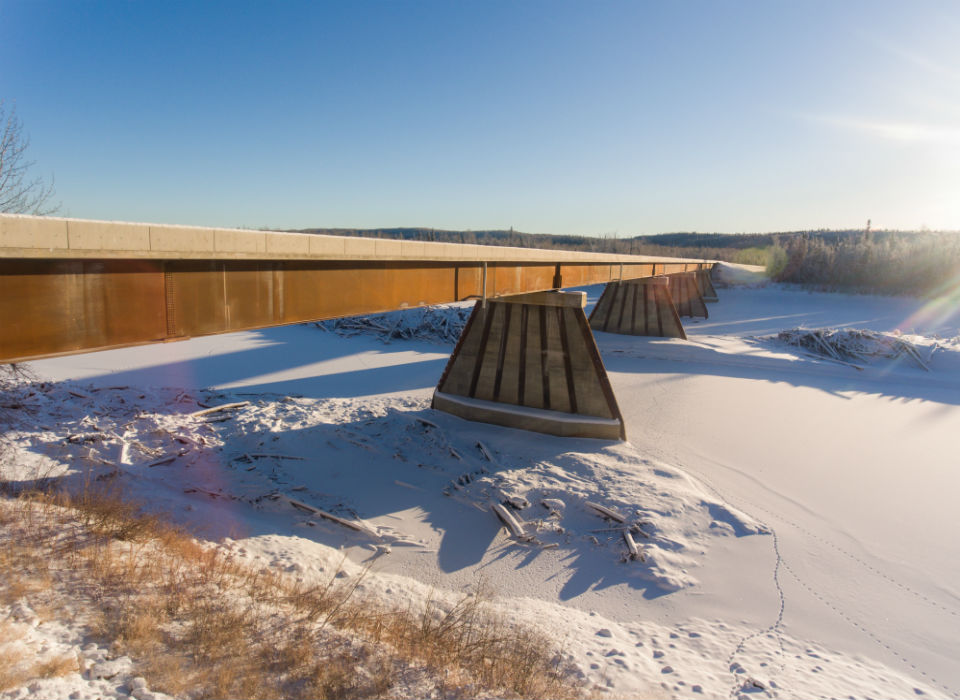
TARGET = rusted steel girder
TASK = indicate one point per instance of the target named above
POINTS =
(71, 285)
(51, 307)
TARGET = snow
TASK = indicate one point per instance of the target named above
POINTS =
(97, 673)
(795, 516)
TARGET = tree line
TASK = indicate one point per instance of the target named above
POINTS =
(873, 262)
(741, 248)
(916, 263)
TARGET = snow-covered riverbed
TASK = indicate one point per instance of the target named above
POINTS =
(796, 516)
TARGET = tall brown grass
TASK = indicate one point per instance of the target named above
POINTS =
(200, 624)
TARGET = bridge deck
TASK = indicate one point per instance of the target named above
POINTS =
(71, 285)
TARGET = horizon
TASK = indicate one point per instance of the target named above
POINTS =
(309, 229)
(320, 230)
(609, 119)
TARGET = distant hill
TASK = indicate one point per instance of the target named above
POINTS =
(710, 240)
(743, 247)
(739, 241)
(483, 237)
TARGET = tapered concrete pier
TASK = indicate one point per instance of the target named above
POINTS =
(705, 283)
(686, 295)
(638, 307)
(529, 361)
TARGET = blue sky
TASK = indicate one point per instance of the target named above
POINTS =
(549, 116)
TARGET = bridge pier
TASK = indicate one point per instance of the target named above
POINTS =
(529, 361)
(638, 307)
(705, 283)
(686, 295)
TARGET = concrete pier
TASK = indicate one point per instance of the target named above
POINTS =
(686, 295)
(705, 283)
(529, 361)
(638, 307)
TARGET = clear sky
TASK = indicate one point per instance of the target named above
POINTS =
(548, 116)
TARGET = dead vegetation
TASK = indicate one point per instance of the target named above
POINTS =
(434, 324)
(198, 623)
(855, 347)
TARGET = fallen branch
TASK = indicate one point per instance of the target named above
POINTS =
(162, 460)
(212, 494)
(485, 451)
(635, 552)
(814, 356)
(263, 455)
(353, 525)
(219, 419)
(513, 525)
(224, 407)
(607, 512)
(912, 352)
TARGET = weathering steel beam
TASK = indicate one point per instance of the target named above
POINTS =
(69, 285)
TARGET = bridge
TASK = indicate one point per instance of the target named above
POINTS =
(73, 285)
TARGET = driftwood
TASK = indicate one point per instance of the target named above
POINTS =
(162, 460)
(437, 324)
(508, 519)
(851, 346)
(635, 552)
(224, 407)
(207, 492)
(262, 455)
(352, 524)
(606, 512)
(485, 451)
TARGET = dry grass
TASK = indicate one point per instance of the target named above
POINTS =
(14, 672)
(11, 673)
(199, 624)
(53, 668)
